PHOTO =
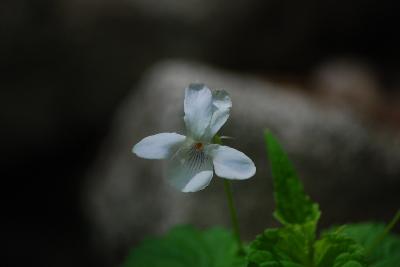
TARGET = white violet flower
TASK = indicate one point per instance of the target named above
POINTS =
(192, 158)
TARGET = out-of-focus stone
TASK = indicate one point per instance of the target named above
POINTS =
(351, 170)
(348, 84)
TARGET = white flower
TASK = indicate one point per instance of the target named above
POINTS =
(192, 158)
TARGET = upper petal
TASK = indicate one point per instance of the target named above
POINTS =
(198, 109)
(189, 170)
(158, 146)
(231, 163)
(222, 105)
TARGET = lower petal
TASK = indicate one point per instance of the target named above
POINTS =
(189, 170)
(231, 163)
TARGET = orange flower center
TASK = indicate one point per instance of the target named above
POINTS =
(199, 146)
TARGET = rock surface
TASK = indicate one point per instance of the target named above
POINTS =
(352, 170)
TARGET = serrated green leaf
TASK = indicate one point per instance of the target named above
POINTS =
(337, 250)
(293, 206)
(186, 246)
(292, 245)
(288, 246)
(384, 254)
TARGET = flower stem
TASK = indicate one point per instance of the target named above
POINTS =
(234, 219)
(232, 210)
(385, 232)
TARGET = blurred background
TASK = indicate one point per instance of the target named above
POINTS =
(68, 68)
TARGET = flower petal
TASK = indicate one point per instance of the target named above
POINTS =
(189, 170)
(231, 163)
(198, 110)
(222, 105)
(158, 146)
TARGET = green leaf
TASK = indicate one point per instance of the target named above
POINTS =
(287, 246)
(337, 250)
(186, 246)
(292, 245)
(293, 206)
(384, 254)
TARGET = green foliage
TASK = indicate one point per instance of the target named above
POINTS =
(186, 246)
(295, 243)
(386, 253)
(293, 206)
(337, 250)
(279, 247)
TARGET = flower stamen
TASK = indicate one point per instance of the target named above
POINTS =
(199, 146)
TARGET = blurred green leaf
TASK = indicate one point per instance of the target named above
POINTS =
(337, 250)
(293, 206)
(186, 246)
(384, 254)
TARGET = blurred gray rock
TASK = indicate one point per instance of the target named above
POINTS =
(349, 84)
(351, 170)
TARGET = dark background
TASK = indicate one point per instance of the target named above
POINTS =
(66, 65)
